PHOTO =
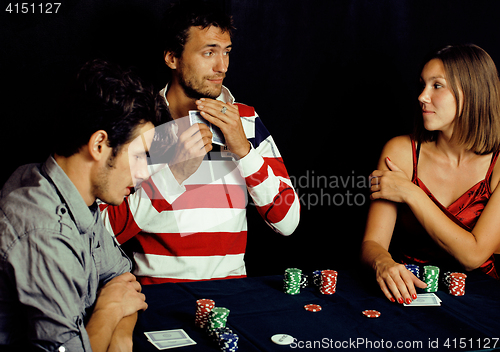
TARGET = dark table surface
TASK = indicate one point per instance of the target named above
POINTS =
(260, 309)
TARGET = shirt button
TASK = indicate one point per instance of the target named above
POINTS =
(62, 349)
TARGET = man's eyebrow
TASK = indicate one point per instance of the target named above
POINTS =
(217, 46)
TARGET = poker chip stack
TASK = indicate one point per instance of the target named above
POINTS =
(217, 318)
(415, 269)
(228, 342)
(214, 319)
(291, 282)
(328, 282)
(203, 309)
(304, 281)
(431, 278)
(316, 278)
(217, 332)
(445, 279)
(456, 286)
(225, 338)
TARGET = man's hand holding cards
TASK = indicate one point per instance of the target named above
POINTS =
(217, 135)
(226, 116)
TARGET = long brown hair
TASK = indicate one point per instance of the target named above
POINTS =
(477, 126)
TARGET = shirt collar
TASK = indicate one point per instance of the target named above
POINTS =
(83, 216)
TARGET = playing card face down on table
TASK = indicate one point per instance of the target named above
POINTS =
(167, 339)
(425, 299)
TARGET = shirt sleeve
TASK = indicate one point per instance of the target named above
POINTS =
(50, 278)
(155, 196)
(268, 182)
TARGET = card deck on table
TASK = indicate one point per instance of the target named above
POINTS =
(425, 299)
(166, 339)
(217, 136)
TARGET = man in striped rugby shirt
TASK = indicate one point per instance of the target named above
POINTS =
(188, 221)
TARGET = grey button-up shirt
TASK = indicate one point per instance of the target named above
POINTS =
(54, 256)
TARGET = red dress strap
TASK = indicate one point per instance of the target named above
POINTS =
(492, 165)
(415, 161)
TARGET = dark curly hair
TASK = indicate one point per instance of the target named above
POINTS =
(183, 14)
(106, 97)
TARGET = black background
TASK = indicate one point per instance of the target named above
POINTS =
(332, 81)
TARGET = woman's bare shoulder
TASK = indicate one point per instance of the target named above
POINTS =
(399, 151)
(398, 143)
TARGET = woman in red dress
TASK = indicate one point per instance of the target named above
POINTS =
(433, 195)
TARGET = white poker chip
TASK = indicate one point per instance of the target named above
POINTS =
(282, 339)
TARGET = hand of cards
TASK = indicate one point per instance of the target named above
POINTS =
(217, 135)
(166, 339)
(425, 299)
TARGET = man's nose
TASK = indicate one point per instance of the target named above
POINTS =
(222, 64)
(141, 173)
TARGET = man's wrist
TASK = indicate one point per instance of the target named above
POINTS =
(177, 173)
(243, 152)
(101, 327)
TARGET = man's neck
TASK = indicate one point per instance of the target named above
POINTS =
(78, 171)
(179, 103)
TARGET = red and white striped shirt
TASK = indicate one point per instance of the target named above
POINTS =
(198, 230)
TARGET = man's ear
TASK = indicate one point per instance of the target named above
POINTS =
(171, 60)
(98, 145)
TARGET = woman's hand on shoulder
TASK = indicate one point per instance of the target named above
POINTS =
(393, 184)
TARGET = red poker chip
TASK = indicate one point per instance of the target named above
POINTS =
(370, 313)
(312, 307)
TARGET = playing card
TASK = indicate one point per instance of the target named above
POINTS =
(425, 299)
(217, 135)
(195, 117)
(163, 345)
(164, 335)
(166, 339)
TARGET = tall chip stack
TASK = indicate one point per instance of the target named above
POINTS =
(291, 282)
(456, 285)
(328, 282)
(431, 278)
(203, 309)
(217, 318)
(213, 319)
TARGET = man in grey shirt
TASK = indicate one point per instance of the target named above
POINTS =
(65, 285)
